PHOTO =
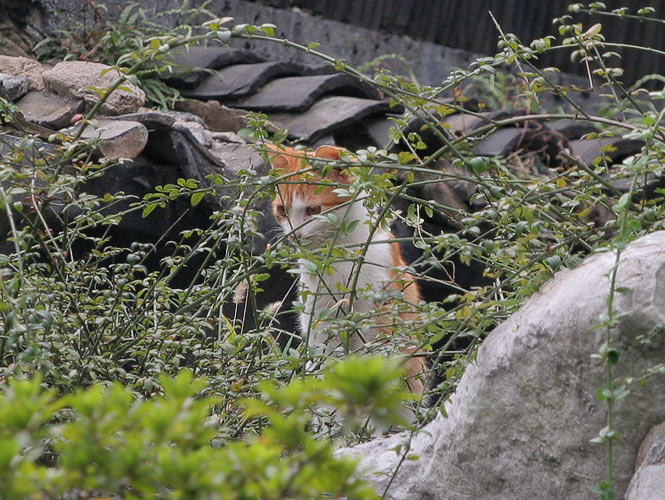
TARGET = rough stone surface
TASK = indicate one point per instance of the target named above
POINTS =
(652, 449)
(16, 86)
(74, 79)
(119, 139)
(236, 156)
(20, 27)
(23, 66)
(48, 109)
(520, 423)
(230, 137)
(153, 120)
(648, 483)
(215, 116)
(431, 63)
(198, 131)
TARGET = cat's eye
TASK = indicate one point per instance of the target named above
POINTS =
(313, 210)
(280, 210)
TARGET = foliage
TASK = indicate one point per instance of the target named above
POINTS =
(98, 38)
(80, 310)
(109, 443)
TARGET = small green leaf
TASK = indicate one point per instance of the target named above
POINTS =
(554, 262)
(148, 209)
(623, 202)
(196, 198)
(593, 31)
(268, 29)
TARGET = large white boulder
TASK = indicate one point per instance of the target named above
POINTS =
(521, 421)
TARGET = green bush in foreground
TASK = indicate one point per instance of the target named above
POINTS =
(109, 443)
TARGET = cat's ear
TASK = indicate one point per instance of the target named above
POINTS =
(333, 153)
(328, 152)
(278, 157)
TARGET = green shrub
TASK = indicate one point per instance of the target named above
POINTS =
(108, 442)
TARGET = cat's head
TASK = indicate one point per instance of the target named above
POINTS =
(302, 194)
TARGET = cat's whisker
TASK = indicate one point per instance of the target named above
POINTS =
(274, 234)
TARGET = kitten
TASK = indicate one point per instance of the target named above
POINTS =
(312, 213)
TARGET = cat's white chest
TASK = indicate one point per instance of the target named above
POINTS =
(329, 296)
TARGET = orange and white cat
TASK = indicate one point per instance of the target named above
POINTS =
(311, 211)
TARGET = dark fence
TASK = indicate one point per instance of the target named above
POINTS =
(466, 24)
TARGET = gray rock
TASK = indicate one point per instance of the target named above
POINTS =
(652, 449)
(119, 139)
(153, 120)
(231, 137)
(184, 115)
(215, 116)
(198, 131)
(49, 110)
(520, 423)
(16, 86)
(531, 137)
(648, 483)
(22, 66)
(326, 140)
(75, 79)
(236, 156)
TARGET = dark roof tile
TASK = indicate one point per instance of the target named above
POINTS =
(463, 123)
(297, 93)
(189, 65)
(499, 143)
(590, 149)
(242, 80)
(329, 114)
(572, 129)
(378, 128)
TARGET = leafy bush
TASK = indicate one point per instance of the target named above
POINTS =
(107, 442)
